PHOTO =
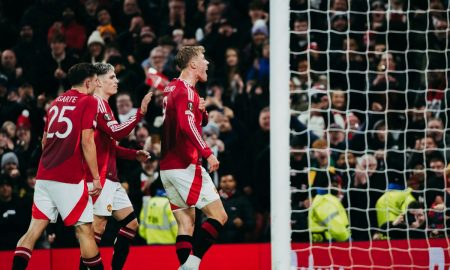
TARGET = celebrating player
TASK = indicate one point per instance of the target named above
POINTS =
(68, 143)
(188, 184)
(114, 200)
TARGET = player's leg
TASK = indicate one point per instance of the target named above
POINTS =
(210, 229)
(99, 226)
(43, 211)
(177, 185)
(186, 221)
(89, 251)
(26, 243)
(102, 209)
(75, 207)
(211, 205)
(128, 227)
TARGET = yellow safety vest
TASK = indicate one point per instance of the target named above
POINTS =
(327, 219)
(392, 204)
(157, 223)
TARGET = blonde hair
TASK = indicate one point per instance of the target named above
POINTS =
(186, 53)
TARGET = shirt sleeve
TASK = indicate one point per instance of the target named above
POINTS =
(89, 114)
(125, 153)
(110, 126)
(185, 114)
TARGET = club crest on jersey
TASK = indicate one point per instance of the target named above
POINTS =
(109, 208)
(190, 106)
(107, 117)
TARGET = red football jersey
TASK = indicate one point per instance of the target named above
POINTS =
(62, 157)
(182, 142)
(108, 132)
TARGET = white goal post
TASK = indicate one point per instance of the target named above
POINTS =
(279, 135)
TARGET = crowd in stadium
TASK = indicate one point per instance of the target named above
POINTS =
(374, 80)
(367, 95)
(42, 39)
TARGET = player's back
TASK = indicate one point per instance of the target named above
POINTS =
(62, 157)
(177, 151)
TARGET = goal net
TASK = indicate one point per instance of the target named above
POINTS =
(369, 133)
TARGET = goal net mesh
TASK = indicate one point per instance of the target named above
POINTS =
(369, 133)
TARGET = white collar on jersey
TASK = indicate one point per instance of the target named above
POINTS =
(186, 82)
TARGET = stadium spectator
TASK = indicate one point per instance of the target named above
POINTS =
(259, 183)
(58, 60)
(14, 215)
(435, 175)
(366, 186)
(89, 14)
(74, 32)
(124, 107)
(233, 83)
(10, 168)
(338, 107)
(315, 118)
(9, 67)
(391, 209)
(240, 212)
(29, 52)
(327, 218)
(158, 225)
(96, 48)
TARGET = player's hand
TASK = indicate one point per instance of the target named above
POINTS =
(145, 101)
(96, 189)
(142, 155)
(202, 104)
(213, 163)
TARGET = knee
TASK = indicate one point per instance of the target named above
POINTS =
(32, 235)
(99, 228)
(84, 230)
(220, 216)
(223, 217)
(133, 225)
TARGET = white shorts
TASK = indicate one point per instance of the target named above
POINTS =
(71, 201)
(189, 187)
(113, 197)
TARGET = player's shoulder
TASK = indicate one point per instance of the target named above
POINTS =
(183, 90)
(90, 99)
(87, 102)
(103, 106)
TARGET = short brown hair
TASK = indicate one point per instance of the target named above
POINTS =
(186, 53)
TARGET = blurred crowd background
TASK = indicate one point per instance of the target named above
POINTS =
(370, 119)
(42, 39)
(368, 101)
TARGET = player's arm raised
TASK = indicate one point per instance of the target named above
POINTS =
(119, 131)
